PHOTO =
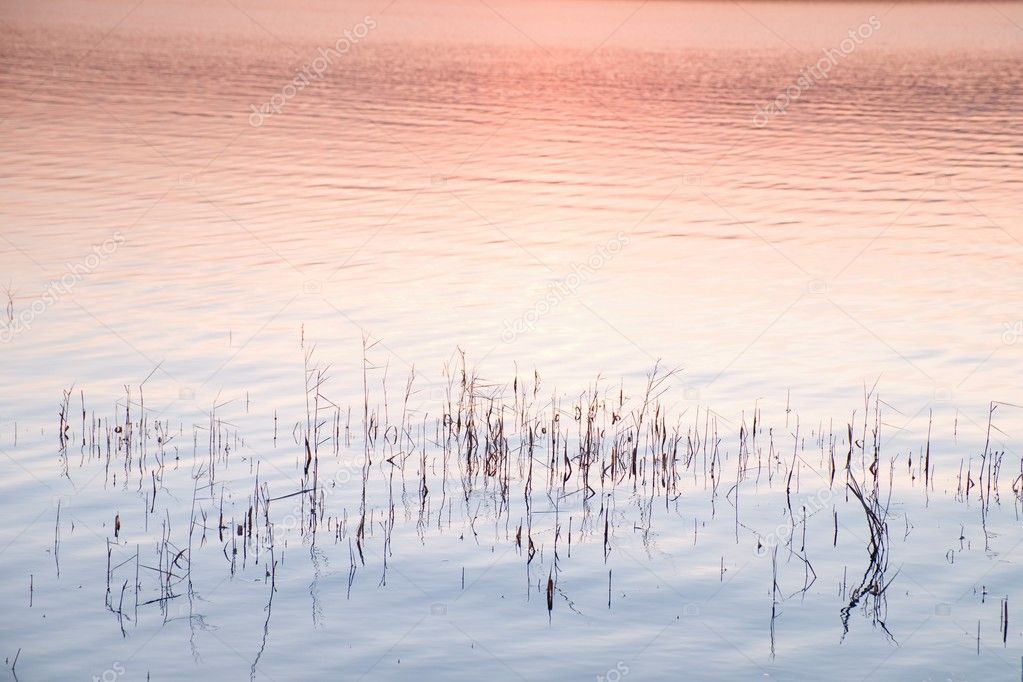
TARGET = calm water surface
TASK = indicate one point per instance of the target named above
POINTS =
(580, 188)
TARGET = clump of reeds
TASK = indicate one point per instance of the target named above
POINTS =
(498, 451)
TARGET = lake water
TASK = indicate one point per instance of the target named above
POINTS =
(805, 216)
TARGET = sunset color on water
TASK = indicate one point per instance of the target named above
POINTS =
(488, 339)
